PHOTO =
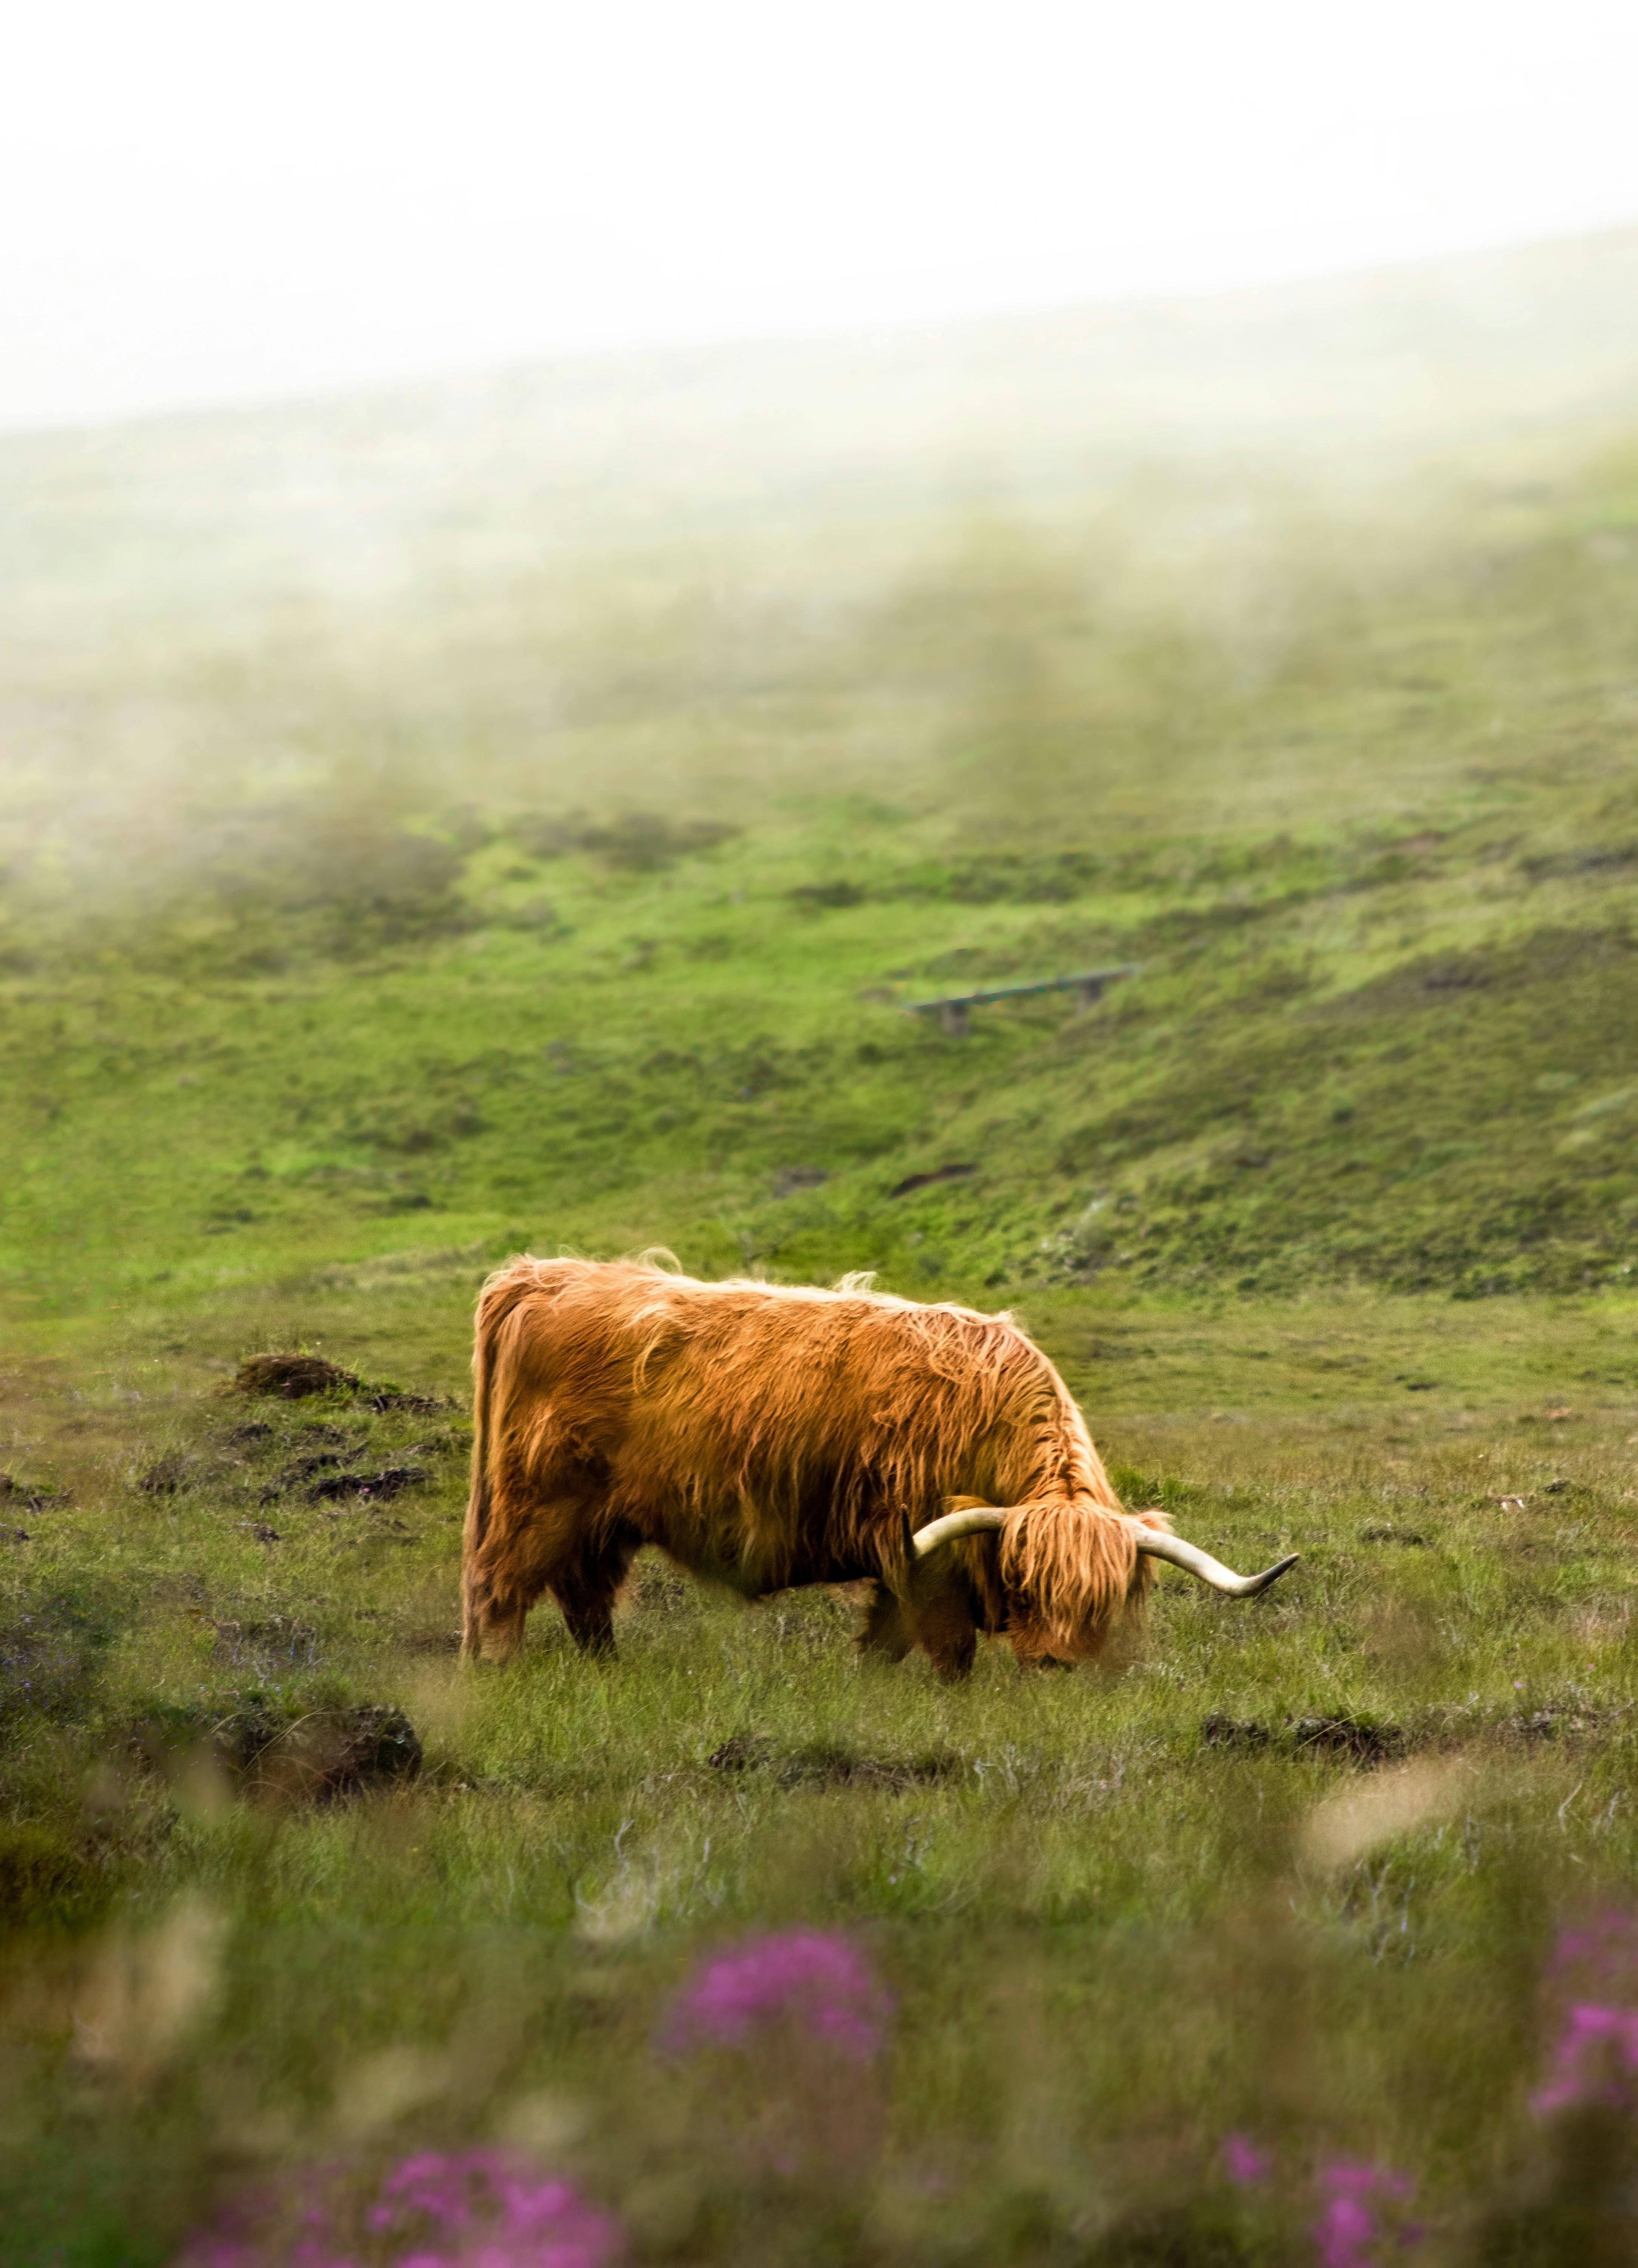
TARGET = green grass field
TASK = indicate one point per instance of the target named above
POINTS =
(582, 911)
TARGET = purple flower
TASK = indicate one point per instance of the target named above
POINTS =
(499, 2213)
(812, 1981)
(1593, 2047)
(481, 2209)
(1350, 2223)
(1244, 2163)
(1593, 1974)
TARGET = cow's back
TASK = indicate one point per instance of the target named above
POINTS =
(791, 1432)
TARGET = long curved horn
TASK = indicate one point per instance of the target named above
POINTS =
(954, 1525)
(1159, 1546)
(978, 1519)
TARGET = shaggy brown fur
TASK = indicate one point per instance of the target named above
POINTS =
(768, 1436)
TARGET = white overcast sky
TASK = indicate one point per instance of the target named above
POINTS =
(209, 201)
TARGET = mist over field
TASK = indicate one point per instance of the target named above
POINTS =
(719, 582)
(530, 813)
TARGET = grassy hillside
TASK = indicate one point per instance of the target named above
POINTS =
(1377, 888)
(357, 932)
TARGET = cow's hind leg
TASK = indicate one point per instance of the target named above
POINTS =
(560, 1546)
(491, 1623)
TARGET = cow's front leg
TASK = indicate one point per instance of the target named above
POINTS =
(940, 1613)
(884, 1637)
(591, 1625)
(948, 1631)
(586, 1590)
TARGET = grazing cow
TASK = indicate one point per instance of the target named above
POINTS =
(767, 1436)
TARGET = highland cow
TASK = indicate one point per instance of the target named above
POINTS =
(766, 1436)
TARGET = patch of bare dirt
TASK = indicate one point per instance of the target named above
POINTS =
(912, 1182)
(292, 1377)
(1364, 1740)
(391, 1480)
(322, 1758)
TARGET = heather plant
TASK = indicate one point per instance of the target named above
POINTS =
(1364, 2218)
(1246, 2165)
(1592, 1990)
(1362, 2222)
(1571, 2195)
(786, 2033)
(477, 2209)
(1594, 2060)
(810, 1984)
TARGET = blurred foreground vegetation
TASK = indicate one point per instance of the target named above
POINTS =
(577, 900)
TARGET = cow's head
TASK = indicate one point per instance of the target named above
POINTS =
(1069, 1568)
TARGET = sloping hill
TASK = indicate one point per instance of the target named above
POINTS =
(1392, 1042)
(418, 855)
